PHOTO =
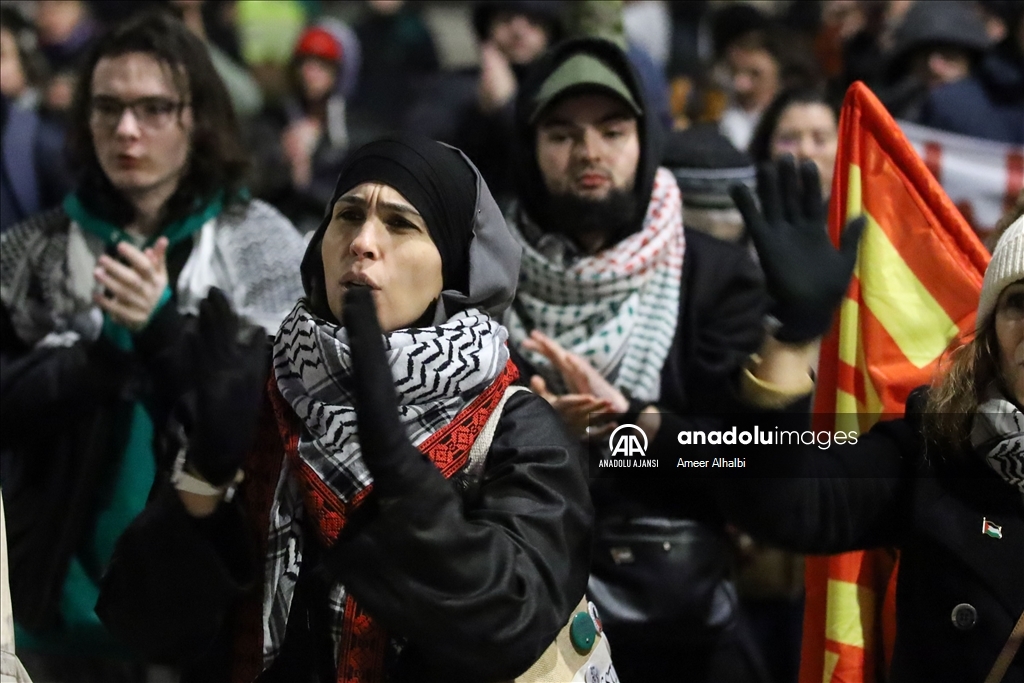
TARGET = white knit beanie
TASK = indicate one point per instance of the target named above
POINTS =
(1006, 266)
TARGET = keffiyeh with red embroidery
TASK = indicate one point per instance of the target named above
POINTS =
(440, 373)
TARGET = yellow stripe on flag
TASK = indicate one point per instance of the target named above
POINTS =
(831, 660)
(849, 331)
(847, 412)
(913, 318)
(854, 201)
(847, 601)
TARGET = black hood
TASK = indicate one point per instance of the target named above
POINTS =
(533, 194)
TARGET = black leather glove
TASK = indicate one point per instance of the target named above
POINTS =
(396, 465)
(806, 276)
(230, 366)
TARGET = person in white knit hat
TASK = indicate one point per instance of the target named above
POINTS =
(1002, 296)
(944, 484)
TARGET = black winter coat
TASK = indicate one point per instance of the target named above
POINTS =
(959, 591)
(478, 584)
(66, 410)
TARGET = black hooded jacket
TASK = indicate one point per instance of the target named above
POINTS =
(721, 304)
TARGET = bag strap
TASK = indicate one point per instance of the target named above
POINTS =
(478, 451)
(1008, 652)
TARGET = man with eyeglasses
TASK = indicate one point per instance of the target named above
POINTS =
(98, 298)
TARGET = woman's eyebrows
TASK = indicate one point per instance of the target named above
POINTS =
(393, 206)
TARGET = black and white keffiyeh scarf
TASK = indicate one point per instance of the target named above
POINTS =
(997, 435)
(438, 371)
(618, 308)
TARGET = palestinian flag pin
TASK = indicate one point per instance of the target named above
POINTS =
(990, 529)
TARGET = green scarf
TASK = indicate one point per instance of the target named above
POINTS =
(112, 235)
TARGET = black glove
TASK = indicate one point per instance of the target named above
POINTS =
(396, 465)
(230, 366)
(807, 277)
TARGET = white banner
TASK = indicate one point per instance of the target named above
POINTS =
(982, 177)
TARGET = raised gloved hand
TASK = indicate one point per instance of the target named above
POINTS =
(396, 465)
(230, 367)
(806, 276)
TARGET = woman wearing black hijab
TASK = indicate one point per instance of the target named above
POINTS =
(373, 538)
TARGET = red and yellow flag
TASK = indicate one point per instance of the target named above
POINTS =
(915, 288)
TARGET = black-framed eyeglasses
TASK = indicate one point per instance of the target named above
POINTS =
(151, 113)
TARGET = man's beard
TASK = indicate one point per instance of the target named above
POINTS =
(591, 221)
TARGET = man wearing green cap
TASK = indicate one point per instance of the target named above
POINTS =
(618, 310)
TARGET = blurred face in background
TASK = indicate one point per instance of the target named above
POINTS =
(995, 26)
(386, 7)
(941, 64)
(519, 37)
(317, 78)
(845, 16)
(755, 76)
(56, 19)
(12, 75)
(808, 131)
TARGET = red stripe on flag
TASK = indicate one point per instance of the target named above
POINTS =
(1014, 178)
(852, 667)
(892, 375)
(846, 380)
(864, 118)
(851, 567)
(913, 229)
(933, 159)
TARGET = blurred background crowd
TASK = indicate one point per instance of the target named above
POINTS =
(736, 83)
(311, 79)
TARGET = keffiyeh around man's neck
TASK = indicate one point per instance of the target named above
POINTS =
(618, 308)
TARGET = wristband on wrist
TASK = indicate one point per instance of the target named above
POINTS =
(767, 395)
(182, 480)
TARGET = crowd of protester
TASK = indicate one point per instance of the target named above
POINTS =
(176, 175)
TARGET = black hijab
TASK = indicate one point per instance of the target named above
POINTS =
(479, 256)
(438, 182)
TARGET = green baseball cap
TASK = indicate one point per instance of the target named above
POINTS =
(581, 70)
